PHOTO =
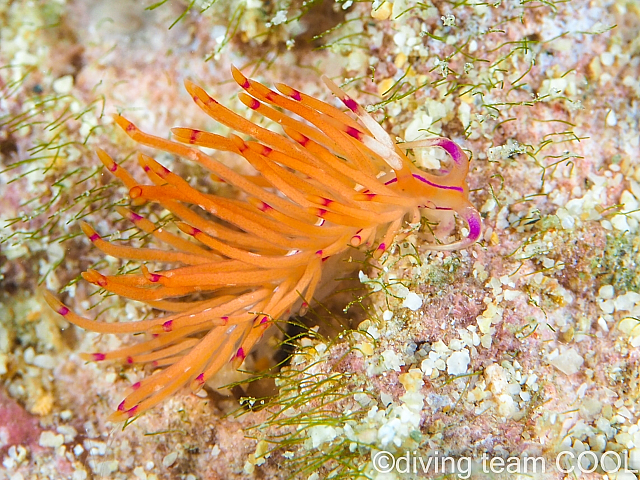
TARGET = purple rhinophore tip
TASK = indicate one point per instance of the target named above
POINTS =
(475, 224)
(452, 149)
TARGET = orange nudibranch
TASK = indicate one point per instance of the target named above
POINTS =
(334, 181)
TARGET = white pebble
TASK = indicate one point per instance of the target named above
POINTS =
(169, 459)
(412, 301)
(50, 439)
(627, 301)
(63, 85)
(606, 292)
(619, 222)
(568, 362)
(392, 360)
(458, 362)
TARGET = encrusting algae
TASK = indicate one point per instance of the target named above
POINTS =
(331, 184)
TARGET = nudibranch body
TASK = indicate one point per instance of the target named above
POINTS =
(334, 182)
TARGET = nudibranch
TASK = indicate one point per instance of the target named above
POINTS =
(334, 181)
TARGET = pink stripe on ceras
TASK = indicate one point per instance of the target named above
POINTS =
(94, 237)
(350, 103)
(113, 167)
(200, 379)
(264, 320)
(154, 277)
(98, 356)
(265, 207)
(63, 310)
(254, 104)
(295, 94)
(136, 386)
(240, 353)
(355, 133)
(129, 360)
(134, 217)
(245, 84)
(121, 406)
(194, 136)
(164, 171)
(132, 411)
(382, 246)
(167, 326)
